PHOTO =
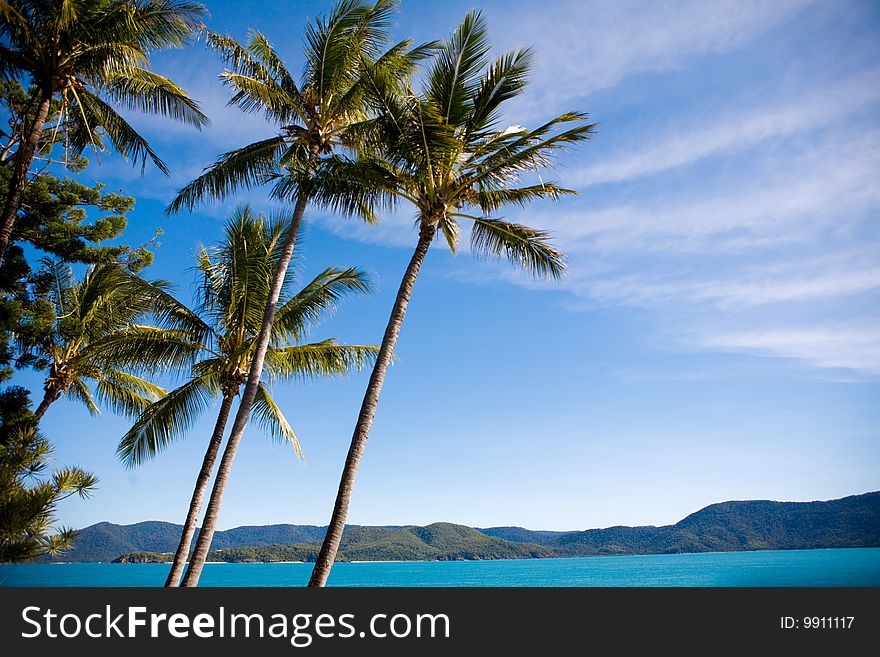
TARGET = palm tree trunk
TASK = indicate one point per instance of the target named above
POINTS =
(49, 397)
(197, 560)
(23, 158)
(195, 505)
(330, 546)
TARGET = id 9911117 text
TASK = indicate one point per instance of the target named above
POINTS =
(816, 622)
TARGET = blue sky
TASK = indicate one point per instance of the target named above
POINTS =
(717, 336)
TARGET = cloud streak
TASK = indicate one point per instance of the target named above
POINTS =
(592, 46)
(842, 346)
(736, 132)
(779, 198)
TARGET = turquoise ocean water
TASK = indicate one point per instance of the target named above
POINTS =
(838, 567)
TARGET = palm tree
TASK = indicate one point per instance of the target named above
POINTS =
(322, 114)
(222, 334)
(92, 53)
(85, 341)
(442, 152)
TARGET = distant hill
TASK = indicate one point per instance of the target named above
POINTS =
(441, 541)
(106, 541)
(726, 527)
(729, 526)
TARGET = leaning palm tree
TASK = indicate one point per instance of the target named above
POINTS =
(222, 334)
(92, 54)
(83, 344)
(324, 113)
(443, 152)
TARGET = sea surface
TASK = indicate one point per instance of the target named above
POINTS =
(837, 567)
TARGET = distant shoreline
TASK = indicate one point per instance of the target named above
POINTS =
(832, 567)
(413, 561)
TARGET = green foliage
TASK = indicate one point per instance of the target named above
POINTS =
(441, 541)
(217, 341)
(106, 541)
(59, 217)
(29, 491)
(441, 150)
(145, 557)
(80, 340)
(79, 52)
(730, 526)
(54, 218)
(324, 112)
(262, 554)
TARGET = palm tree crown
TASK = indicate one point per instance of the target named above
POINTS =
(320, 114)
(442, 151)
(220, 336)
(96, 52)
(86, 341)
(93, 54)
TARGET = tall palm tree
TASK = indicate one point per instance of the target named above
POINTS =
(442, 151)
(322, 114)
(222, 335)
(92, 53)
(84, 344)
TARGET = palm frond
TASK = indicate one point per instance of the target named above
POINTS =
(504, 80)
(524, 246)
(242, 168)
(490, 200)
(126, 394)
(259, 45)
(145, 349)
(318, 360)
(361, 187)
(79, 392)
(527, 151)
(451, 230)
(109, 298)
(167, 419)
(456, 68)
(270, 418)
(334, 43)
(254, 95)
(316, 299)
(170, 312)
(430, 143)
(125, 138)
(260, 79)
(238, 274)
(145, 91)
(60, 275)
(167, 23)
(239, 58)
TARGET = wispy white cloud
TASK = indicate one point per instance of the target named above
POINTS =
(754, 256)
(733, 291)
(586, 46)
(736, 131)
(779, 197)
(844, 346)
